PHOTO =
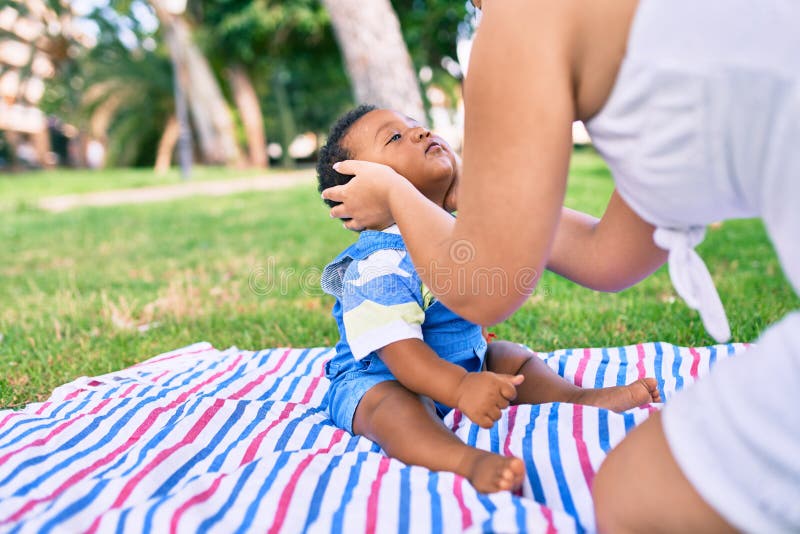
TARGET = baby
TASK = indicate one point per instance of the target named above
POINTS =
(404, 359)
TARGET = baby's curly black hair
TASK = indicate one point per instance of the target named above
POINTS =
(333, 151)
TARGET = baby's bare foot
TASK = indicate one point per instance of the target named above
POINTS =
(489, 472)
(621, 398)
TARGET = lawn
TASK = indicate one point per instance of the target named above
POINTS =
(94, 290)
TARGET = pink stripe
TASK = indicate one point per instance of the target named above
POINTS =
(695, 362)
(197, 499)
(512, 418)
(8, 417)
(456, 419)
(256, 443)
(548, 515)
(310, 392)
(73, 394)
(580, 444)
(458, 491)
(195, 431)
(372, 501)
(178, 355)
(160, 376)
(640, 360)
(56, 431)
(288, 491)
(256, 381)
(148, 422)
(587, 353)
(43, 407)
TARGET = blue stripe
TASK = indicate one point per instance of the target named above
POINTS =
(75, 507)
(629, 421)
(519, 513)
(527, 451)
(70, 444)
(555, 461)
(167, 429)
(115, 429)
(494, 439)
(209, 522)
(676, 365)
(259, 419)
(202, 454)
(472, 437)
(712, 356)
(312, 435)
(602, 430)
(622, 372)
(562, 361)
(436, 503)
(267, 394)
(249, 516)
(37, 419)
(319, 492)
(291, 426)
(600, 375)
(352, 482)
(404, 507)
(123, 518)
(659, 360)
(490, 507)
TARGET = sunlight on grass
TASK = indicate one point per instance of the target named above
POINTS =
(94, 290)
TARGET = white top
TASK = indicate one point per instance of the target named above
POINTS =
(679, 132)
(703, 124)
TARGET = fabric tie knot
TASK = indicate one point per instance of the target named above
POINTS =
(691, 278)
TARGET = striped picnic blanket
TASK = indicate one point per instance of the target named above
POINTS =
(200, 440)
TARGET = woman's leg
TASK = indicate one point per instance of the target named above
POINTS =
(407, 428)
(542, 384)
(640, 488)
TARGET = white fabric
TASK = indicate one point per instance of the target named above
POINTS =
(703, 124)
(691, 278)
(736, 434)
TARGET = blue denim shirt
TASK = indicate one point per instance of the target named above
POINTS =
(449, 335)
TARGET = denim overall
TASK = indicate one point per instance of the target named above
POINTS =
(451, 337)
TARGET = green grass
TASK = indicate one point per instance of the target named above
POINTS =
(244, 270)
(21, 190)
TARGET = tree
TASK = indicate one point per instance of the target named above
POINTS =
(210, 112)
(375, 54)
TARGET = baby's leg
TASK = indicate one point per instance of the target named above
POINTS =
(542, 384)
(407, 428)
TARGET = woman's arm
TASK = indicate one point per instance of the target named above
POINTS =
(608, 254)
(519, 111)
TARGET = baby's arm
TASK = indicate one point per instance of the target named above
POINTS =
(609, 254)
(480, 396)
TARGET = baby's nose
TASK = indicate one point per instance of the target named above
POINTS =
(422, 133)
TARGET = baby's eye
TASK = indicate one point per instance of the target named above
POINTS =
(395, 137)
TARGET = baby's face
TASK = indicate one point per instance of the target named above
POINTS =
(424, 159)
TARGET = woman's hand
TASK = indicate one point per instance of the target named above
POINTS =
(365, 198)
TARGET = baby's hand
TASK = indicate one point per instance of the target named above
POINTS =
(481, 396)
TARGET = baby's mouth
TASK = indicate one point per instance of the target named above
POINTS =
(433, 146)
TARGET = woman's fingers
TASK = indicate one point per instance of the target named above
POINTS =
(334, 193)
(339, 212)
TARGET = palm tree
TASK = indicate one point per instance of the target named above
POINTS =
(375, 54)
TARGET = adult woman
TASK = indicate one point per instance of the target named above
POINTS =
(695, 107)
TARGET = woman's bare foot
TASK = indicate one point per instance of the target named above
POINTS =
(489, 473)
(621, 398)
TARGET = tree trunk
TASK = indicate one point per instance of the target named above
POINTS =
(376, 56)
(211, 116)
(166, 146)
(250, 111)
